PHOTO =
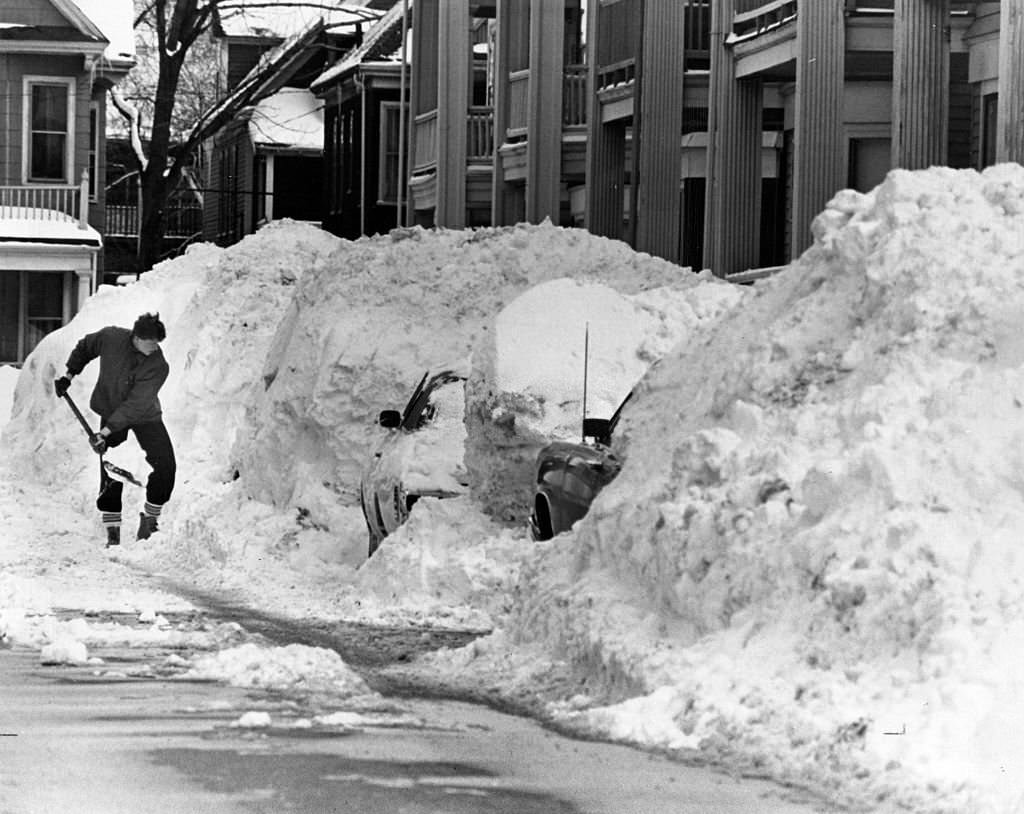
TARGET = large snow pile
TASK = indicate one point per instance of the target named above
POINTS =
(811, 560)
(8, 381)
(808, 567)
(283, 348)
(362, 329)
(220, 308)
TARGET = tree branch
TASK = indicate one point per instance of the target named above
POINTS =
(131, 115)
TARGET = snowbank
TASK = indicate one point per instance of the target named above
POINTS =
(364, 326)
(815, 540)
(220, 307)
(808, 568)
(8, 381)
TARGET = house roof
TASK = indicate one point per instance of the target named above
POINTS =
(268, 75)
(97, 26)
(257, 18)
(292, 117)
(381, 43)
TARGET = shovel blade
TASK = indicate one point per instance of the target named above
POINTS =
(118, 473)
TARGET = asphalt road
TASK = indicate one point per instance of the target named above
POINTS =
(78, 740)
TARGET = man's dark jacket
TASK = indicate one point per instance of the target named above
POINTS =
(125, 393)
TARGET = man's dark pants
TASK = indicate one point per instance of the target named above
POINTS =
(156, 443)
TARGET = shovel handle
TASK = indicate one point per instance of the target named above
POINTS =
(78, 415)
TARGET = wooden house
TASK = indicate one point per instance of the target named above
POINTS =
(58, 58)
(267, 164)
(708, 132)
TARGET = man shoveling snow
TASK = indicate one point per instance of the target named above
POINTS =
(132, 371)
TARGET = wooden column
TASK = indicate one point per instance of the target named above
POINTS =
(658, 128)
(819, 161)
(505, 17)
(453, 56)
(606, 150)
(422, 85)
(920, 83)
(544, 127)
(733, 189)
(1010, 125)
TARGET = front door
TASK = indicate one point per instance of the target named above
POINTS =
(32, 304)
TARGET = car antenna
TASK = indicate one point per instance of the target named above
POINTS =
(586, 355)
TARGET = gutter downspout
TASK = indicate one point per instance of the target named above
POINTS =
(401, 118)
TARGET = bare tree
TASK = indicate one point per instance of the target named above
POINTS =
(178, 55)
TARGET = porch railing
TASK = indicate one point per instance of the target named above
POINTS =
(618, 74)
(574, 95)
(181, 220)
(425, 148)
(480, 133)
(518, 102)
(47, 203)
(754, 17)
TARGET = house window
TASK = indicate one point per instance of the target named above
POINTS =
(990, 117)
(94, 148)
(387, 184)
(49, 133)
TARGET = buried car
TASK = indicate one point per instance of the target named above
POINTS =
(420, 456)
(570, 474)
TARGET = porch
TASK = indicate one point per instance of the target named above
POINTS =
(48, 263)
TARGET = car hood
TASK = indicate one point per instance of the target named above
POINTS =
(568, 450)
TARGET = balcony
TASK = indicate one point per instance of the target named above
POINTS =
(755, 17)
(621, 33)
(574, 100)
(46, 204)
(480, 134)
(182, 220)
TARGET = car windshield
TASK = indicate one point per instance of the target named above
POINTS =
(410, 415)
(420, 407)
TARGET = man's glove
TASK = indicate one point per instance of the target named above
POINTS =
(61, 385)
(98, 442)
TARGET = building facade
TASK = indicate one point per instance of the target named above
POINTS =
(58, 58)
(708, 132)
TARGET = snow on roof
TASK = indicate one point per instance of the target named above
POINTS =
(17, 226)
(271, 65)
(372, 47)
(114, 18)
(257, 19)
(292, 116)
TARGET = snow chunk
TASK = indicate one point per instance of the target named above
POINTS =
(295, 668)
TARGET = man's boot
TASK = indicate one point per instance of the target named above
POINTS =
(113, 536)
(147, 525)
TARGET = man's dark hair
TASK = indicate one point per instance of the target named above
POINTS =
(149, 326)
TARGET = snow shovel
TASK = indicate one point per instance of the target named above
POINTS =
(114, 471)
